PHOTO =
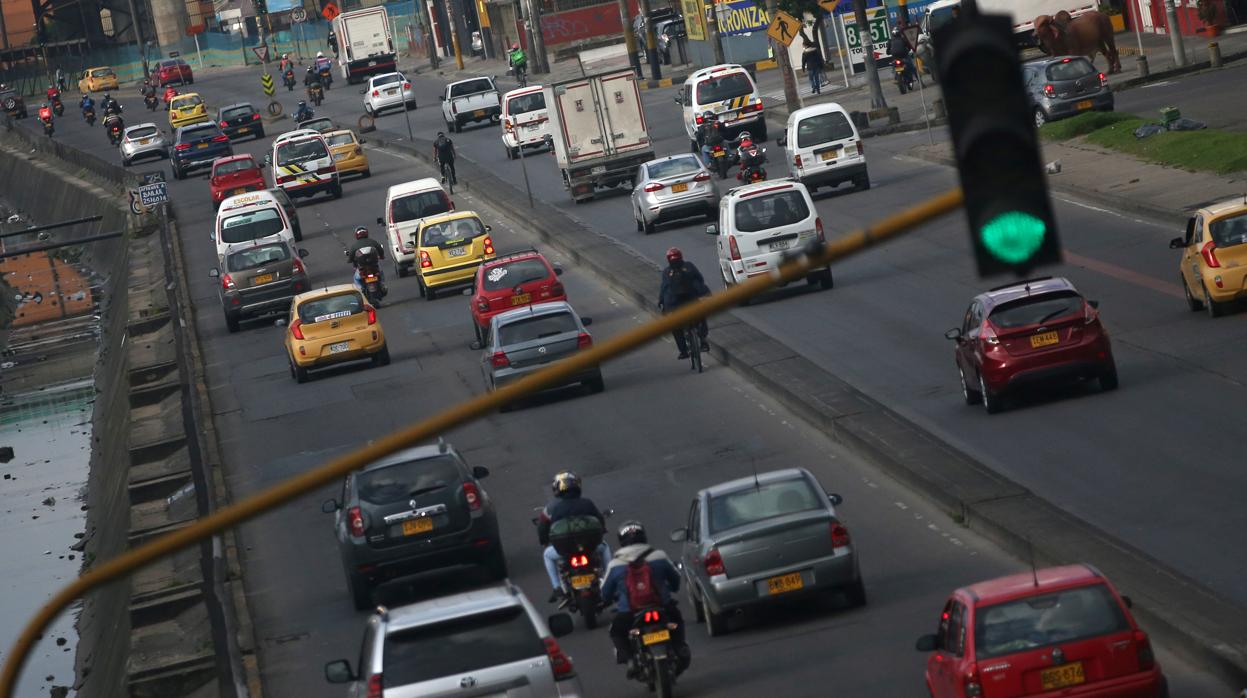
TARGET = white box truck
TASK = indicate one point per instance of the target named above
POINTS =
(365, 43)
(598, 126)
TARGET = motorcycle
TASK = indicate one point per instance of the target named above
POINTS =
(114, 127)
(370, 280)
(721, 159)
(654, 654)
(326, 77)
(751, 169)
(89, 115)
(151, 101)
(903, 76)
(288, 79)
(316, 94)
(47, 127)
(581, 571)
(57, 107)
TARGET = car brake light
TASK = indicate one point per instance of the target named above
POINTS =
(406, 86)
(654, 186)
(298, 266)
(560, 663)
(224, 124)
(1103, 80)
(425, 261)
(703, 177)
(796, 161)
(220, 139)
(861, 148)
(973, 688)
(818, 228)
(714, 563)
(840, 536)
(255, 117)
(376, 93)
(578, 560)
(372, 314)
(227, 282)
(1209, 251)
(699, 119)
(374, 686)
(1049, 91)
(500, 360)
(489, 245)
(732, 248)
(556, 290)
(296, 329)
(182, 146)
(1089, 314)
(987, 335)
(756, 106)
(1147, 659)
(584, 341)
(652, 617)
(473, 496)
(355, 518)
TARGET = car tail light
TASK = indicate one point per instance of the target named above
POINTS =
(703, 177)
(1147, 659)
(699, 119)
(578, 561)
(282, 179)
(376, 93)
(987, 335)
(224, 124)
(355, 519)
(818, 228)
(489, 245)
(654, 186)
(1089, 314)
(840, 536)
(1049, 91)
(732, 248)
(473, 496)
(372, 314)
(425, 261)
(500, 360)
(298, 266)
(482, 305)
(973, 687)
(584, 341)
(182, 146)
(220, 139)
(296, 329)
(1209, 251)
(255, 117)
(861, 148)
(1103, 80)
(556, 290)
(714, 563)
(374, 686)
(560, 663)
(652, 617)
(756, 106)
(406, 86)
(227, 282)
(796, 161)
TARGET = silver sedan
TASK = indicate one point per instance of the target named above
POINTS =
(143, 141)
(670, 188)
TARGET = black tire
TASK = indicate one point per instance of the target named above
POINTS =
(699, 612)
(455, 126)
(716, 624)
(411, 106)
(825, 280)
(665, 684)
(361, 593)
(177, 174)
(647, 227)
(400, 270)
(370, 111)
(692, 147)
(861, 183)
(991, 402)
(337, 190)
(480, 334)
(382, 358)
(232, 323)
(1214, 308)
(588, 612)
(694, 351)
(856, 594)
(510, 153)
(430, 294)
(759, 134)
(300, 373)
(420, 286)
(1108, 379)
(497, 565)
(970, 395)
(366, 173)
(1191, 302)
(722, 166)
(594, 385)
(259, 134)
(125, 162)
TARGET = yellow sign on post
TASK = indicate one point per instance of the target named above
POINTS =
(784, 28)
(482, 13)
(829, 5)
(694, 19)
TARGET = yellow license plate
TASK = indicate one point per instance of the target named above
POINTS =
(1085, 104)
(582, 581)
(244, 130)
(677, 188)
(1061, 676)
(261, 279)
(417, 526)
(1045, 339)
(479, 112)
(784, 583)
(656, 637)
(144, 141)
(829, 155)
(718, 153)
(202, 145)
(240, 190)
(521, 299)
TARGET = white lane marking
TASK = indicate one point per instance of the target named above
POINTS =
(1158, 84)
(901, 506)
(1111, 212)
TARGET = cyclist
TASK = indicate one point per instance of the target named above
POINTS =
(444, 156)
(682, 283)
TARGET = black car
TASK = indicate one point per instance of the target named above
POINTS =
(417, 511)
(240, 120)
(12, 103)
(196, 146)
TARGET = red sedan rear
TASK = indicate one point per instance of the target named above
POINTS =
(512, 281)
(236, 174)
(174, 71)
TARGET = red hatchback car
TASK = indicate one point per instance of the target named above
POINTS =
(1030, 332)
(235, 174)
(1061, 631)
(511, 281)
(174, 70)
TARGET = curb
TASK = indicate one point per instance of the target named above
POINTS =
(1175, 72)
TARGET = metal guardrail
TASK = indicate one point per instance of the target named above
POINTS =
(53, 148)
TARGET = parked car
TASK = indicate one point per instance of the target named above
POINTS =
(233, 175)
(240, 120)
(142, 141)
(1059, 631)
(419, 650)
(528, 339)
(667, 33)
(333, 325)
(657, 15)
(196, 147)
(1065, 86)
(511, 281)
(12, 103)
(1213, 256)
(174, 70)
(673, 188)
(419, 510)
(387, 91)
(824, 148)
(259, 278)
(760, 223)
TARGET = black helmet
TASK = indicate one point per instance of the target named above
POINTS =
(361, 232)
(709, 116)
(632, 533)
(566, 484)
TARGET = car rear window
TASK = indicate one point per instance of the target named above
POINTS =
(232, 166)
(823, 128)
(426, 203)
(459, 646)
(194, 133)
(764, 501)
(258, 256)
(1228, 232)
(185, 102)
(522, 104)
(330, 307)
(1070, 69)
(538, 327)
(471, 87)
(235, 112)
(451, 232)
(513, 274)
(339, 139)
(673, 168)
(717, 89)
(142, 132)
(403, 481)
(251, 225)
(1036, 309)
(301, 151)
(1036, 621)
(386, 80)
(771, 211)
(318, 125)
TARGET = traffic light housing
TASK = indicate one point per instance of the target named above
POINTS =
(996, 146)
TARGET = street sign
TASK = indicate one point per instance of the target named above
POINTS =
(154, 177)
(266, 81)
(828, 5)
(174, 54)
(783, 28)
(877, 21)
(298, 15)
(330, 12)
(742, 17)
(911, 35)
(695, 19)
(152, 194)
(261, 52)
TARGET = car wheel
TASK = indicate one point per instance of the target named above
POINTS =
(647, 226)
(497, 565)
(1191, 302)
(508, 151)
(716, 624)
(589, 612)
(429, 293)
(1040, 118)
(125, 162)
(400, 269)
(992, 403)
(637, 219)
(825, 280)
(369, 110)
(862, 183)
(259, 134)
(177, 174)
(337, 190)
(382, 358)
(366, 173)
(1215, 309)
(455, 126)
(759, 134)
(476, 330)
(699, 613)
(232, 323)
(300, 373)
(692, 147)
(972, 397)
(1108, 379)
(596, 384)
(856, 594)
(361, 592)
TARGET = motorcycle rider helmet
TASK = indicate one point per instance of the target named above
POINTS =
(515, 46)
(285, 56)
(632, 533)
(301, 104)
(566, 484)
(709, 116)
(320, 54)
(674, 255)
(896, 31)
(361, 232)
(106, 96)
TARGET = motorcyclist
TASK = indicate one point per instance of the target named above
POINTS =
(748, 152)
(567, 503)
(899, 48)
(710, 134)
(285, 63)
(302, 112)
(682, 283)
(45, 113)
(517, 59)
(113, 120)
(366, 253)
(147, 89)
(333, 41)
(170, 93)
(444, 153)
(54, 94)
(110, 105)
(624, 584)
(86, 103)
(60, 78)
(323, 64)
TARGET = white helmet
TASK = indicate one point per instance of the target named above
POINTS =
(320, 54)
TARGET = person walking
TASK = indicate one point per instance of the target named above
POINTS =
(812, 63)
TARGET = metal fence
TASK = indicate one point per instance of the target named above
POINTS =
(103, 169)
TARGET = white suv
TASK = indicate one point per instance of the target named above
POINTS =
(760, 224)
(487, 641)
(303, 166)
(729, 92)
(388, 91)
(824, 148)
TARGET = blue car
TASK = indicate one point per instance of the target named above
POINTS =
(196, 146)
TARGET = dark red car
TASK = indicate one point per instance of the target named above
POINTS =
(1032, 331)
(512, 281)
(174, 70)
(1061, 631)
(235, 174)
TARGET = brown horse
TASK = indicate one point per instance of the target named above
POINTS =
(1085, 35)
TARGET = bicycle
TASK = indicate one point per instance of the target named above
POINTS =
(692, 340)
(521, 75)
(448, 176)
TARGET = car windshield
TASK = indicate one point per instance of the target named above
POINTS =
(522, 104)
(471, 87)
(1229, 231)
(823, 128)
(459, 646)
(251, 225)
(402, 481)
(141, 132)
(339, 139)
(674, 167)
(426, 203)
(232, 166)
(451, 232)
(236, 112)
(331, 307)
(253, 257)
(301, 151)
(771, 211)
(1036, 309)
(1036, 621)
(718, 89)
(1070, 69)
(386, 79)
(764, 501)
(103, 73)
(513, 274)
(537, 327)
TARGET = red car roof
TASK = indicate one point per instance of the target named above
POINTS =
(1018, 586)
(232, 158)
(1033, 287)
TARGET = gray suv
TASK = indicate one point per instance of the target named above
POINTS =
(486, 642)
(525, 340)
(1065, 86)
(418, 510)
(260, 277)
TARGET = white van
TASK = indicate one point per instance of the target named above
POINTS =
(525, 121)
(824, 148)
(729, 91)
(405, 205)
(256, 215)
(759, 224)
(303, 166)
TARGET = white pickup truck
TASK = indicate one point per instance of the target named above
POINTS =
(469, 101)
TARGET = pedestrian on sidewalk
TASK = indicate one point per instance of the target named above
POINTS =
(812, 63)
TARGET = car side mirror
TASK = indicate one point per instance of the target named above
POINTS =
(363, 140)
(679, 535)
(476, 345)
(339, 671)
(214, 272)
(380, 220)
(927, 643)
(480, 472)
(558, 271)
(712, 229)
(1094, 304)
(586, 321)
(781, 141)
(441, 98)
(1127, 600)
(489, 228)
(303, 252)
(953, 334)
(560, 624)
(835, 499)
(329, 506)
(1177, 244)
(679, 100)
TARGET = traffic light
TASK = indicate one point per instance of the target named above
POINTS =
(996, 146)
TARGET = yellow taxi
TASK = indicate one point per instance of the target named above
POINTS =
(348, 152)
(98, 80)
(1214, 256)
(449, 248)
(186, 109)
(333, 325)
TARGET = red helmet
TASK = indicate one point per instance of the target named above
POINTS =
(675, 255)
(361, 232)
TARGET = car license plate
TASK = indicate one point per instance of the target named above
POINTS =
(718, 153)
(521, 299)
(1044, 339)
(1085, 104)
(781, 245)
(261, 279)
(144, 141)
(457, 251)
(392, 91)
(479, 112)
(533, 126)
(582, 581)
(339, 347)
(655, 637)
(829, 154)
(417, 526)
(677, 188)
(784, 583)
(1065, 675)
(201, 146)
(239, 190)
(244, 130)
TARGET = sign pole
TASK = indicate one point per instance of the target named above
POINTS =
(842, 43)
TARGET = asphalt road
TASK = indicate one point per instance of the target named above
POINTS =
(656, 435)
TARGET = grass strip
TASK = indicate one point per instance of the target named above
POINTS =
(1209, 150)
